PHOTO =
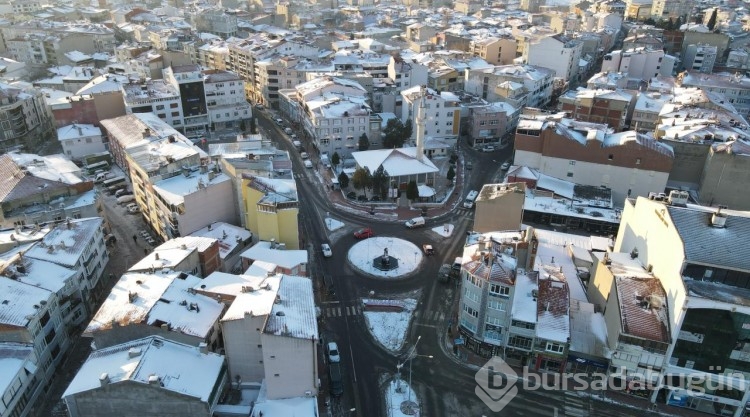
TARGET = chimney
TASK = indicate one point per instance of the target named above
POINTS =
(203, 347)
(154, 379)
(146, 133)
(80, 131)
(156, 255)
(104, 379)
(69, 224)
(134, 352)
(719, 219)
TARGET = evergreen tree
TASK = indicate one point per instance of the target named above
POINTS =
(451, 174)
(364, 143)
(335, 160)
(412, 192)
(343, 180)
(380, 181)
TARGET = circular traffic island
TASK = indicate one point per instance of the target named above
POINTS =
(385, 257)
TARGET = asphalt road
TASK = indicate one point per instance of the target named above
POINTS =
(444, 387)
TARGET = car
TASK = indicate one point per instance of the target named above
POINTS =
(428, 250)
(332, 350)
(375, 198)
(326, 248)
(308, 164)
(362, 198)
(279, 122)
(304, 155)
(364, 233)
(134, 210)
(505, 166)
(337, 382)
(488, 148)
(121, 192)
(351, 195)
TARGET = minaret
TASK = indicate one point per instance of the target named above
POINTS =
(421, 120)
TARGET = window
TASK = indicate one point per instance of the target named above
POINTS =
(611, 157)
(520, 342)
(471, 295)
(160, 107)
(555, 347)
(173, 106)
(637, 161)
(523, 324)
(496, 305)
(501, 290)
(470, 311)
(175, 114)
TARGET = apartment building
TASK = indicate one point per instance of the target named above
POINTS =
(700, 58)
(640, 63)
(663, 9)
(33, 335)
(629, 163)
(490, 122)
(41, 189)
(704, 301)
(536, 80)
(188, 80)
(154, 96)
(272, 209)
(734, 87)
(25, 118)
(78, 140)
(225, 99)
(496, 51)
(505, 198)
(558, 53)
(442, 118)
(612, 108)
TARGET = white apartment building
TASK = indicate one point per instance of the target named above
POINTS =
(24, 116)
(154, 96)
(77, 244)
(443, 114)
(334, 113)
(700, 58)
(225, 99)
(558, 53)
(79, 140)
(536, 80)
(639, 63)
(665, 9)
(30, 315)
(20, 387)
(735, 87)
(270, 331)
(699, 257)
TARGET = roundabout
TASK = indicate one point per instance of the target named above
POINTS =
(385, 257)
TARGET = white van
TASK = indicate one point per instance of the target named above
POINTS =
(470, 198)
(279, 122)
(125, 199)
(415, 222)
(288, 131)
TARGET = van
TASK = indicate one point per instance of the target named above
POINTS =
(456, 267)
(125, 199)
(102, 176)
(415, 222)
(288, 131)
(279, 122)
(337, 382)
(470, 198)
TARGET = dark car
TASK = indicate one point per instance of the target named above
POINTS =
(362, 197)
(375, 198)
(337, 382)
(351, 195)
(364, 233)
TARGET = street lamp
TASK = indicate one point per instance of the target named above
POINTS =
(409, 357)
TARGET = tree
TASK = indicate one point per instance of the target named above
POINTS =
(451, 174)
(335, 159)
(396, 133)
(343, 180)
(408, 130)
(380, 182)
(364, 143)
(712, 20)
(361, 179)
(412, 192)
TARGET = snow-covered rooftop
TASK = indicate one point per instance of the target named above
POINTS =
(553, 303)
(285, 258)
(65, 244)
(153, 299)
(398, 162)
(174, 189)
(293, 312)
(179, 368)
(524, 300)
(553, 252)
(229, 236)
(13, 358)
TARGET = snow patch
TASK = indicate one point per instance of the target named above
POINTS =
(389, 328)
(445, 230)
(333, 224)
(396, 393)
(408, 254)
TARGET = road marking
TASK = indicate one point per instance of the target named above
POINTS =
(427, 325)
(338, 311)
(442, 316)
(348, 311)
(330, 302)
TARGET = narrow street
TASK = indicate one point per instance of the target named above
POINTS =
(124, 253)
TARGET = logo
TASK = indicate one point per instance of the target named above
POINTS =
(496, 384)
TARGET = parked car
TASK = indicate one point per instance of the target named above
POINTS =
(332, 350)
(337, 382)
(288, 130)
(469, 165)
(375, 198)
(125, 199)
(351, 195)
(122, 191)
(444, 274)
(326, 248)
(505, 166)
(362, 198)
(488, 148)
(364, 233)
(279, 122)
(308, 164)
(304, 155)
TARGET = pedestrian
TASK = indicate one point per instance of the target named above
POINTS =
(135, 238)
(145, 251)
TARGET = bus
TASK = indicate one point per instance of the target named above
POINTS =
(102, 165)
(113, 181)
(469, 201)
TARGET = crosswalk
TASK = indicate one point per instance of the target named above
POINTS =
(356, 310)
(576, 405)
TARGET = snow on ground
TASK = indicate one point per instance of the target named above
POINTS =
(389, 328)
(445, 230)
(396, 392)
(333, 224)
(408, 254)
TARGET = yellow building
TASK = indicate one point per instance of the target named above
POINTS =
(271, 209)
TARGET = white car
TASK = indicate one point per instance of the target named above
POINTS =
(505, 166)
(327, 252)
(333, 352)
(304, 155)
(308, 164)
